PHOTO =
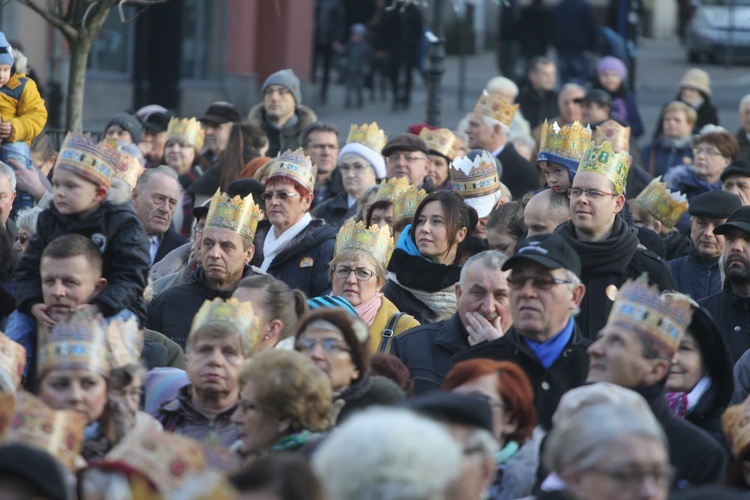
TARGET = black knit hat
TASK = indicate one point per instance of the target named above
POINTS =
(130, 123)
(34, 467)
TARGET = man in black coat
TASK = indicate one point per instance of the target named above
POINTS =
(488, 129)
(731, 307)
(483, 313)
(634, 350)
(544, 341)
(538, 99)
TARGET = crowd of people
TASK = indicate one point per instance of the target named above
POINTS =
(243, 305)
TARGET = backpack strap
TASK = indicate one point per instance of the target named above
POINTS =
(387, 334)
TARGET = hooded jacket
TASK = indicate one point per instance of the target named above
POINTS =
(21, 104)
(288, 137)
(303, 263)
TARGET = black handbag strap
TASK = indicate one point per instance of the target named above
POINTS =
(387, 334)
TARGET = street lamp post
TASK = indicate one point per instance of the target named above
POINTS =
(436, 69)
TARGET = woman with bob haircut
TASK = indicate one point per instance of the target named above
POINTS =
(284, 399)
(338, 343)
(511, 397)
(425, 265)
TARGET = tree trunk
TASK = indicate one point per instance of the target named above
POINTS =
(79, 53)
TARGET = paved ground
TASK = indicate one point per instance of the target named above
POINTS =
(661, 65)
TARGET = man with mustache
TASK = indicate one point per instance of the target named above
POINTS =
(483, 314)
(731, 306)
(697, 273)
(545, 292)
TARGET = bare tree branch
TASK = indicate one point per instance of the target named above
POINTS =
(55, 21)
(144, 3)
(70, 12)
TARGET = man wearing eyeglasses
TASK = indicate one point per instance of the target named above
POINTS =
(406, 155)
(545, 292)
(606, 245)
(281, 114)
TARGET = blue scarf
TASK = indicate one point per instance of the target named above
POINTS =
(407, 244)
(548, 352)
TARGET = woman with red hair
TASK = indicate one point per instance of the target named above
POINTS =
(295, 248)
(511, 397)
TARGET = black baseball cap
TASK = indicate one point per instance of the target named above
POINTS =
(715, 203)
(740, 219)
(460, 409)
(157, 122)
(221, 112)
(598, 96)
(737, 167)
(549, 250)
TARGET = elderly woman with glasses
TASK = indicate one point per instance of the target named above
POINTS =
(713, 150)
(338, 343)
(295, 248)
(357, 274)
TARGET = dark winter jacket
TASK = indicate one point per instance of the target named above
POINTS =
(169, 241)
(732, 315)
(335, 211)
(662, 154)
(118, 232)
(744, 143)
(677, 245)
(180, 416)
(368, 391)
(696, 276)
(303, 263)
(683, 178)
(171, 312)
(333, 186)
(288, 137)
(611, 262)
(403, 32)
(707, 114)
(427, 351)
(518, 175)
(567, 372)
(574, 26)
(536, 107)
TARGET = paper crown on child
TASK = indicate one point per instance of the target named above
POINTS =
(405, 205)
(563, 145)
(611, 131)
(58, 432)
(97, 163)
(12, 358)
(375, 241)
(125, 342)
(442, 141)
(239, 315)
(236, 214)
(736, 425)
(370, 135)
(187, 130)
(79, 343)
(603, 160)
(497, 107)
(164, 459)
(472, 179)
(389, 190)
(296, 166)
(660, 318)
(662, 204)
(129, 169)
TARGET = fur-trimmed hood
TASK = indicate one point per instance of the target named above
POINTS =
(21, 62)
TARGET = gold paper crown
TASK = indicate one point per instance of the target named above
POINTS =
(129, 169)
(442, 141)
(391, 189)
(405, 205)
(611, 131)
(235, 214)
(376, 241)
(603, 160)
(736, 424)
(186, 130)
(296, 166)
(662, 204)
(570, 141)
(79, 343)
(125, 341)
(12, 358)
(472, 179)
(58, 432)
(163, 458)
(370, 135)
(497, 107)
(239, 315)
(642, 309)
(80, 155)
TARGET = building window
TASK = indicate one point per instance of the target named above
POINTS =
(203, 30)
(111, 52)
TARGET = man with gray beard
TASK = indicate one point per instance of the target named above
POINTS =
(731, 307)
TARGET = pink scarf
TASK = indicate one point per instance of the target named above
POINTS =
(368, 309)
